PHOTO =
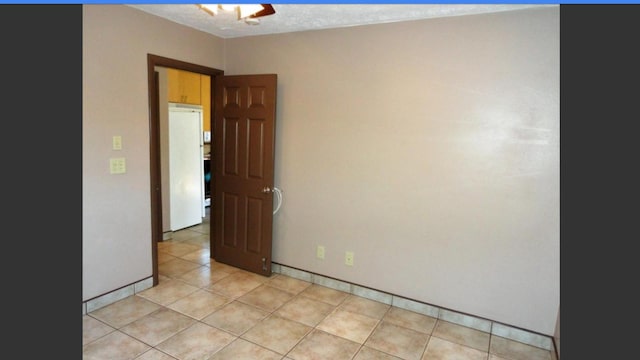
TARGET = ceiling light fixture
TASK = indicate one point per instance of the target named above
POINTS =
(247, 12)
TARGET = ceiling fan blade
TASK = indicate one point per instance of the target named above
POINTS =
(268, 10)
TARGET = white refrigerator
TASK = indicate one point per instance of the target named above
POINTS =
(186, 166)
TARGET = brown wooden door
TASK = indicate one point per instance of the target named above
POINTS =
(243, 149)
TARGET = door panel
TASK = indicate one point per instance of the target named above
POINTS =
(244, 136)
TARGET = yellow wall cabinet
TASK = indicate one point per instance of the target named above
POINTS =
(205, 91)
(184, 87)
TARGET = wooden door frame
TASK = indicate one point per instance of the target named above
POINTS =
(154, 143)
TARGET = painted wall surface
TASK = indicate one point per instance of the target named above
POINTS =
(428, 148)
(116, 218)
(163, 117)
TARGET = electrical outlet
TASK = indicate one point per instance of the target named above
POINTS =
(320, 252)
(348, 258)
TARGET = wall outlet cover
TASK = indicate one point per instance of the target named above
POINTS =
(348, 258)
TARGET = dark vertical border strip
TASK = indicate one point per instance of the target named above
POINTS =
(600, 97)
(41, 92)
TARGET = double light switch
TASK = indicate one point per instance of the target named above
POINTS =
(117, 165)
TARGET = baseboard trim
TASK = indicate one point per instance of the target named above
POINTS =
(478, 323)
(116, 295)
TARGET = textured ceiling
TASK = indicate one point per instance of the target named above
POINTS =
(302, 17)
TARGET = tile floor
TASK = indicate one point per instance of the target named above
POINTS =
(202, 309)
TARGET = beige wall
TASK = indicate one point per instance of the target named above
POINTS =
(116, 221)
(429, 148)
(163, 117)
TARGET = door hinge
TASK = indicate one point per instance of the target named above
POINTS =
(264, 264)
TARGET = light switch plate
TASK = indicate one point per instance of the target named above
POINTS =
(117, 165)
(117, 142)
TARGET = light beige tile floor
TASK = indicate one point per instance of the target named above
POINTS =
(206, 310)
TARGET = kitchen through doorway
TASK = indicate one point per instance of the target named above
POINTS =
(159, 153)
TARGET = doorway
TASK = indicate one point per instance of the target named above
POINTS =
(242, 123)
(154, 61)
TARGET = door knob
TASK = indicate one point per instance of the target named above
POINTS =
(266, 190)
